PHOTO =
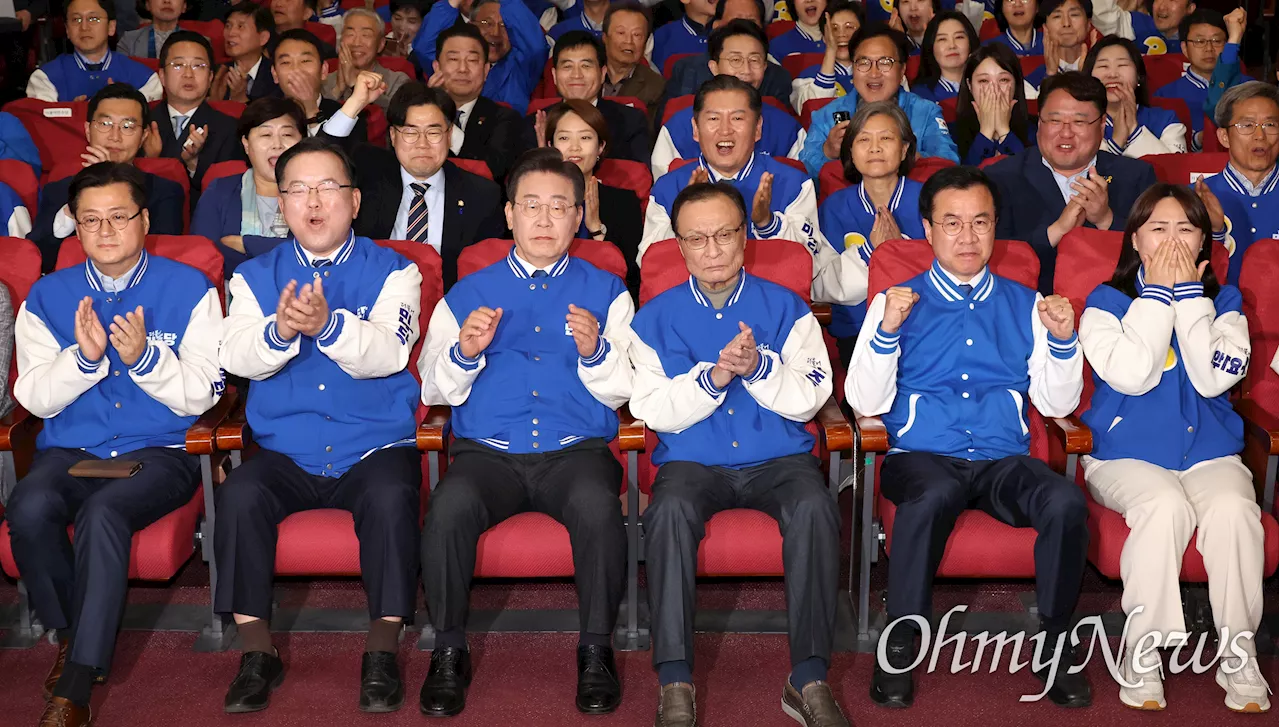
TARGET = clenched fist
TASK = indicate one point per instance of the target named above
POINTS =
(898, 302)
(478, 330)
(1057, 315)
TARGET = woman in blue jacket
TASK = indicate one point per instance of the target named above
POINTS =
(233, 208)
(948, 41)
(992, 117)
(1134, 128)
(1166, 343)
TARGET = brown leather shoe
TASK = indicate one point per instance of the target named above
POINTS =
(61, 712)
(55, 672)
(676, 706)
(817, 707)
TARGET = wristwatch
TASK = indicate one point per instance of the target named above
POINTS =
(604, 230)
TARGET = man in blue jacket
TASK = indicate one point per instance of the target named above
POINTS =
(516, 44)
(879, 62)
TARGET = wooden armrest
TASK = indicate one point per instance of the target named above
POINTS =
(202, 436)
(1258, 424)
(821, 311)
(872, 435)
(431, 436)
(233, 433)
(630, 431)
(836, 430)
(18, 429)
(1073, 434)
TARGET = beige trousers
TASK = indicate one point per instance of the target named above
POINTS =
(1162, 508)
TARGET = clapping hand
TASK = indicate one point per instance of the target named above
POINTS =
(1091, 193)
(283, 327)
(585, 328)
(761, 203)
(129, 336)
(478, 330)
(94, 154)
(309, 312)
(90, 336)
(1212, 204)
(700, 175)
(738, 358)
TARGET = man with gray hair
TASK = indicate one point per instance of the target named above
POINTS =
(1242, 200)
(359, 46)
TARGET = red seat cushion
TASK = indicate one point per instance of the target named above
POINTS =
(741, 543)
(527, 545)
(318, 543)
(979, 547)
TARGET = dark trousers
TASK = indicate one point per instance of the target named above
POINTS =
(931, 491)
(577, 486)
(792, 491)
(382, 494)
(81, 586)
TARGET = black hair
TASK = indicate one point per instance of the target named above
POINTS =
(1125, 278)
(879, 30)
(1141, 92)
(578, 39)
(725, 82)
(462, 30)
(185, 36)
(738, 26)
(262, 17)
(302, 35)
(546, 159)
(627, 6)
(795, 14)
(839, 6)
(705, 191)
(1050, 6)
(313, 4)
(860, 118)
(1037, 20)
(104, 174)
(1079, 85)
(966, 127)
(1226, 109)
(929, 73)
(1201, 16)
(416, 93)
(266, 109)
(959, 178)
(720, 5)
(106, 5)
(420, 6)
(310, 146)
(123, 91)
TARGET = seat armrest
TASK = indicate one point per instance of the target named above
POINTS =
(872, 436)
(631, 431)
(202, 436)
(1073, 435)
(1258, 424)
(431, 434)
(18, 430)
(233, 433)
(821, 311)
(837, 433)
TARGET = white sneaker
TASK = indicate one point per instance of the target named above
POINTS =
(1149, 692)
(1246, 689)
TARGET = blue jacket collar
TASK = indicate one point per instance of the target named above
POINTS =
(894, 200)
(139, 269)
(983, 283)
(518, 268)
(701, 297)
(343, 254)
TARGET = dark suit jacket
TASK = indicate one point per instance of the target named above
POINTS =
(629, 136)
(264, 85)
(472, 204)
(221, 144)
(620, 212)
(690, 73)
(164, 209)
(358, 135)
(1030, 200)
(495, 135)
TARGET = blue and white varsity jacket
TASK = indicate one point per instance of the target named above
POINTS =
(797, 40)
(1036, 48)
(813, 83)
(1162, 366)
(837, 277)
(1192, 89)
(956, 377)
(577, 22)
(1110, 19)
(938, 92)
(780, 135)
(1251, 213)
(933, 139)
(14, 215)
(69, 76)
(530, 391)
(1158, 131)
(330, 401)
(106, 407)
(677, 36)
(847, 218)
(675, 342)
(512, 79)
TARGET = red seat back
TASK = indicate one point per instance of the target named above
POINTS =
(670, 64)
(481, 255)
(1258, 276)
(376, 121)
(546, 87)
(395, 63)
(231, 108)
(626, 174)
(56, 128)
(948, 109)
(989, 29)
(152, 63)
(1185, 168)
(19, 268)
(429, 265)
(475, 166)
(796, 63)
(326, 33)
(229, 168)
(990, 160)
(1179, 107)
(778, 27)
(1029, 64)
(783, 262)
(678, 103)
(809, 107)
(174, 171)
(211, 29)
(191, 250)
(1162, 69)
(22, 180)
(926, 166)
(831, 179)
(913, 68)
(1209, 139)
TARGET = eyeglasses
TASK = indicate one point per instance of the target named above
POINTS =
(557, 208)
(737, 60)
(1201, 43)
(723, 238)
(885, 64)
(118, 220)
(1057, 122)
(128, 127)
(487, 24)
(180, 66)
(953, 226)
(326, 190)
(1247, 128)
(92, 20)
(411, 134)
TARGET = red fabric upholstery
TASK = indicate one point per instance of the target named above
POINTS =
(1163, 69)
(831, 179)
(1185, 168)
(19, 268)
(56, 128)
(676, 104)
(783, 262)
(669, 65)
(395, 63)
(898, 260)
(796, 63)
(481, 255)
(152, 63)
(231, 108)
(475, 166)
(948, 109)
(926, 166)
(1258, 277)
(990, 160)
(913, 67)
(429, 265)
(528, 545)
(1179, 107)
(174, 171)
(809, 107)
(326, 33)
(230, 168)
(191, 250)
(211, 29)
(778, 27)
(1030, 63)
(988, 30)
(1209, 139)
(627, 174)
(376, 125)
(546, 87)
(22, 180)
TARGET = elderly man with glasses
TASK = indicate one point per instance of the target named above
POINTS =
(119, 356)
(1067, 180)
(323, 325)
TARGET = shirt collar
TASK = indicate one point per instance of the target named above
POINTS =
(102, 282)
(894, 200)
(1242, 185)
(465, 109)
(1016, 44)
(253, 72)
(1064, 179)
(741, 175)
(525, 269)
(948, 285)
(702, 299)
(589, 25)
(806, 34)
(306, 259)
(435, 180)
(84, 62)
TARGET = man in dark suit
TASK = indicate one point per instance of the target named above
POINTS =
(298, 67)
(196, 133)
(246, 35)
(578, 67)
(411, 193)
(1066, 181)
(690, 73)
(482, 129)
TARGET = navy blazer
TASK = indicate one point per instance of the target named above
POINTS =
(1030, 200)
(217, 215)
(222, 143)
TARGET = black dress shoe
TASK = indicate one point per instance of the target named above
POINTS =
(250, 691)
(444, 693)
(380, 686)
(598, 689)
(1068, 690)
(896, 691)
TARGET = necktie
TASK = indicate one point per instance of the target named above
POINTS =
(966, 289)
(321, 262)
(539, 273)
(459, 117)
(179, 123)
(416, 229)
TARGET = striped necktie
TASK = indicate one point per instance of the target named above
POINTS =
(416, 229)
(321, 262)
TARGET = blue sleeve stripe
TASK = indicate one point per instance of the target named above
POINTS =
(85, 365)
(1157, 293)
(1063, 349)
(885, 343)
(822, 80)
(704, 380)
(602, 350)
(865, 250)
(1220, 236)
(272, 336)
(770, 230)
(462, 362)
(331, 331)
(763, 369)
(147, 361)
(1187, 291)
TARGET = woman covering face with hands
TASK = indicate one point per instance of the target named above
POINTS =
(1133, 127)
(991, 112)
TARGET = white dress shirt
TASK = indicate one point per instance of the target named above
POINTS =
(435, 207)
(458, 134)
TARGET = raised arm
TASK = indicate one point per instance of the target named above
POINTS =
(440, 18)
(447, 375)
(1056, 366)
(379, 346)
(872, 381)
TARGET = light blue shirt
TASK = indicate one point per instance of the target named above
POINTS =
(1247, 186)
(435, 207)
(116, 285)
(1064, 183)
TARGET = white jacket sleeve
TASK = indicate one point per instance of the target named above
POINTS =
(1173, 140)
(380, 346)
(50, 377)
(872, 382)
(607, 373)
(798, 146)
(1056, 369)
(40, 87)
(19, 222)
(664, 150)
(1129, 353)
(807, 89)
(670, 404)
(657, 227)
(1215, 351)
(189, 382)
(152, 90)
(796, 383)
(251, 344)
(1110, 19)
(446, 374)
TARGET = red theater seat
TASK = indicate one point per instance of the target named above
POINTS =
(22, 180)
(809, 108)
(778, 27)
(395, 63)
(231, 108)
(56, 128)
(796, 63)
(1163, 69)
(192, 250)
(230, 168)
(627, 174)
(1186, 168)
(1179, 107)
(475, 166)
(670, 64)
(174, 171)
